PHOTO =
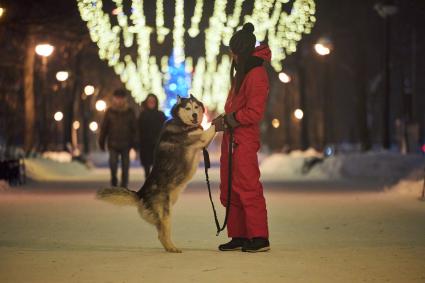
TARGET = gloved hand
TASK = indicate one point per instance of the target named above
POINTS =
(219, 123)
(225, 121)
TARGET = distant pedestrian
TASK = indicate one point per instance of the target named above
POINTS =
(118, 133)
(150, 124)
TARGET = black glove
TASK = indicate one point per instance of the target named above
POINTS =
(225, 121)
(219, 123)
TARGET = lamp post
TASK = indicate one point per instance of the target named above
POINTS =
(385, 10)
(286, 79)
(323, 48)
(44, 51)
(85, 106)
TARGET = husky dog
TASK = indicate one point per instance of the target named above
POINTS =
(176, 159)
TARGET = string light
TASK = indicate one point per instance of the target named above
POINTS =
(161, 30)
(146, 73)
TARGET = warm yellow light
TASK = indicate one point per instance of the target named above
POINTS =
(89, 90)
(2, 10)
(142, 73)
(62, 76)
(100, 105)
(93, 126)
(299, 114)
(44, 50)
(58, 116)
(321, 49)
(284, 78)
(76, 125)
(275, 123)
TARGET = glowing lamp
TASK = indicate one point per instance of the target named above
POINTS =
(299, 114)
(89, 90)
(100, 105)
(62, 76)
(323, 47)
(44, 50)
(93, 126)
(284, 78)
(275, 123)
(58, 116)
(76, 125)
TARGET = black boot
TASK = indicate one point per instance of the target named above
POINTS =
(235, 244)
(257, 245)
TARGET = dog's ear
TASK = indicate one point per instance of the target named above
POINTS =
(179, 99)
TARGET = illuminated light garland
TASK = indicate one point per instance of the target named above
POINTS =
(178, 32)
(143, 74)
(232, 22)
(161, 30)
(196, 19)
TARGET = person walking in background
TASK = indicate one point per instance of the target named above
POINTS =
(150, 124)
(118, 133)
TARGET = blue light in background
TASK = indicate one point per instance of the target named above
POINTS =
(177, 83)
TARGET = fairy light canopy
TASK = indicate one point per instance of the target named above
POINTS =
(135, 39)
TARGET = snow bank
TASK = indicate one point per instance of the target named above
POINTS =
(378, 166)
(42, 169)
(412, 185)
(58, 156)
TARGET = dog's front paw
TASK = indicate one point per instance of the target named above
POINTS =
(173, 250)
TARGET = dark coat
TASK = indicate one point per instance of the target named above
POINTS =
(150, 123)
(118, 129)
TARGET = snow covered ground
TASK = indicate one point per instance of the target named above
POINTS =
(322, 234)
(385, 168)
(349, 218)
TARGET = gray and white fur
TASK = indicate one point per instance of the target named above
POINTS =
(176, 159)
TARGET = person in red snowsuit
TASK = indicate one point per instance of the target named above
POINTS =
(244, 109)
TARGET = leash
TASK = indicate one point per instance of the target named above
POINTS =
(207, 164)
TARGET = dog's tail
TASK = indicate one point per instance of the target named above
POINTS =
(118, 196)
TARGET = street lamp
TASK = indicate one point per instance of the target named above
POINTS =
(284, 78)
(44, 50)
(100, 105)
(58, 116)
(93, 126)
(62, 76)
(2, 11)
(386, 10)
(298, 114)
(275, 123)
(89, 90)
(76, 125)
(323, 46)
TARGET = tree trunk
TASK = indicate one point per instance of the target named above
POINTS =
(29, 93)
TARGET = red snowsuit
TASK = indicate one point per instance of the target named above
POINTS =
(248, 214)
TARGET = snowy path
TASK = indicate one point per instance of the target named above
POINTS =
(317, 235)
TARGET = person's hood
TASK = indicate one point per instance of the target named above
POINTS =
(263, 52)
